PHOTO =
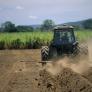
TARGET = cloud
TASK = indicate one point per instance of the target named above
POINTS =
(33, 17)
(19, 7)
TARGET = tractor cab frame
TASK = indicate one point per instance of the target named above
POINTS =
(64, 42)
(63, 35)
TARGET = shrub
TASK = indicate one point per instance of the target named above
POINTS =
(2, 43)
(37, 43)
(15, 44)
(29, 44)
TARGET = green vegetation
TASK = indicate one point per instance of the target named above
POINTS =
(8, 27)
(23, 40)
(83, 35)
(48, 24)
(33, 40)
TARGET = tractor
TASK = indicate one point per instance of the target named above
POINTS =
(64, 43)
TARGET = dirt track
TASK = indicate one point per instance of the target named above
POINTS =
(21, 72)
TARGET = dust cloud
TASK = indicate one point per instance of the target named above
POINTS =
(78, 65)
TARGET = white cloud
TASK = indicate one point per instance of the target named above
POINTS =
(33, 17)
(19, 7)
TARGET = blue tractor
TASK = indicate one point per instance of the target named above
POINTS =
(63, 43)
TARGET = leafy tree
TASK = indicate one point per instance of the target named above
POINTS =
(47, 24)
(8, 27)
(87, 24)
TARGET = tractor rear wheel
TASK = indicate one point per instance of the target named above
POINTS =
(84, 49)
(81, 50)
(45, 53)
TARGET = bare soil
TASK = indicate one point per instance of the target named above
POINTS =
(20, 71)
(65, 81)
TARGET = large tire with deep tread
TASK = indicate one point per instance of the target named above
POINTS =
(44, 53)
(81, 50)
(76, 51)
(84, 49)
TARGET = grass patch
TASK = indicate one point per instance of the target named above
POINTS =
(34, 40)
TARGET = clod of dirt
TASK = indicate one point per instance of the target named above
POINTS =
(64, 81)
(20, 69)
(36, 79)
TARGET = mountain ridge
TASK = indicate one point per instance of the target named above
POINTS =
(76, 23)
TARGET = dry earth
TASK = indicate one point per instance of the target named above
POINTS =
(20, 71)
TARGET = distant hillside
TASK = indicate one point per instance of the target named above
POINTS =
(36, 26)
(78, 23)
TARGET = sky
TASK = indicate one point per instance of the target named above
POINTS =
(30, 12)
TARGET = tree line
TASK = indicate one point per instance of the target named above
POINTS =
(46, 25)
(8, 26)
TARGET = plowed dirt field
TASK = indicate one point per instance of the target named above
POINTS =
(20, 71)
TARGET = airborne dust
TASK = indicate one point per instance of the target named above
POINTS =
(79, 64)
